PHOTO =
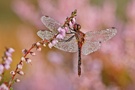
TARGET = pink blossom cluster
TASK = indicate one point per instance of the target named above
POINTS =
(3, 87)
(23, 59)
(61, 35)
(6, 85)
(72, 22)
(7, 59)
(62, 32)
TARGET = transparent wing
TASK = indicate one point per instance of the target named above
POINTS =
(94, 39)
(50, 23)
(70, 46)
(45, 34)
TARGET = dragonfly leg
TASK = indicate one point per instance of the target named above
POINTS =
(71, 32)
(70, 28)
(69, 39)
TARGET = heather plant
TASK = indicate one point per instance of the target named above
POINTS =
(110, 68)
(6, 61)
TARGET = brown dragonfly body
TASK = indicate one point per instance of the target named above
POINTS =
(80, 40)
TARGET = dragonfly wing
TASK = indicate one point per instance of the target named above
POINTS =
(69, 46)
(45, 34)
(50, 23)
(93, 39)
(90, 47)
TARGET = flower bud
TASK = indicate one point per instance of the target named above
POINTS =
(12, 72)
(22, 58)
(20, 72)
(73, 20)
(44, 45)
(17, 80)
(28, 60)
(3, 87)
(11, 50)
(8, 54)
(50, 45)
(32, 53)
(19, 66)
(24, 51)
(70, 24)
(39, 49)
(38, 44)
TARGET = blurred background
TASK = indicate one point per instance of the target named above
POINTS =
(110, 68)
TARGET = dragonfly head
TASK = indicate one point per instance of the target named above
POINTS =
(77, 27)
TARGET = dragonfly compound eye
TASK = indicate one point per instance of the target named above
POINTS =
(77, 27)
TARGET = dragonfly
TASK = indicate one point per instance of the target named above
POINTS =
(77, 41)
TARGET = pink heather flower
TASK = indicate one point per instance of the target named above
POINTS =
(59, 36)
(59, 29)
(12, 72)
(7, 62)
(62, 31)
(22, 59)
(24, 51)
(71, 24)
(66, 29)
(9, 59)
(44, 45)
(21, 72)
(32, 53)
(1, 68)
(8, 54)
(73, 21)
(19, 66)
(11, 50)
(38, 44)
(3, 87)
(17, 80)
(39, 48)
(7, 66)
(54, 41)
(51, 44)
(28, 60)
